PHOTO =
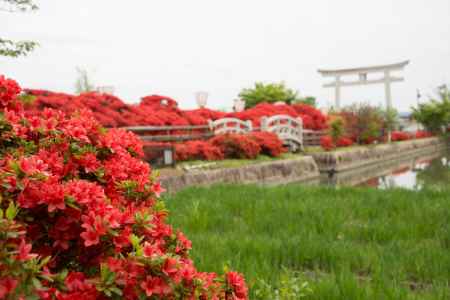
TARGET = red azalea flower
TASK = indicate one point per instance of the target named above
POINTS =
(157, 189)
(7, 284)
(24, 251)
(155, 286)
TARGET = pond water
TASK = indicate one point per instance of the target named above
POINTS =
(414, 173)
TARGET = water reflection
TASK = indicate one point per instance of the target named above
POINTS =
(415, 173)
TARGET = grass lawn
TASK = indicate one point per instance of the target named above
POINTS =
(348, 243)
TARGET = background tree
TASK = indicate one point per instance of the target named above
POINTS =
(390, 121)
(434, 115)
(337, 129)
(309, 100)
(270, 93)
(83, 83)
(12, 48)
(363, 122)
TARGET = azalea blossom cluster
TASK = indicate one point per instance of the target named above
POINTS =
(327, 143)
(227, 146)
(157, 110)
(80, 215)
(404, 136)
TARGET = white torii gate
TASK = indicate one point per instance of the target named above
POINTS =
(362, 73)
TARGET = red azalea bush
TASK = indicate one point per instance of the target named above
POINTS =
(269, 142)
(326, 142)
(218, 148)
(156, 110)
(237, 145)
(400, 136)
(344, 142)
(80, 216)
(420, 134)
(197, 150)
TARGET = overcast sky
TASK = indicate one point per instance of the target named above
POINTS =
(178, 47)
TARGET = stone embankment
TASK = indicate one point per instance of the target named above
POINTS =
(307, 168)
(301, 169)
(347, 159)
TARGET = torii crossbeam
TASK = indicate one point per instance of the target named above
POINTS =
(387, 79)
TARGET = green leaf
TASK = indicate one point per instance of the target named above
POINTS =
(11, 211)
(36, 283)
(116, 290)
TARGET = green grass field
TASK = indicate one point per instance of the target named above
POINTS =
(348, 243)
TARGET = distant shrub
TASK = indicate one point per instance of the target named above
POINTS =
(423, 134)
(363, 122)
(400, 136)
(237, 146)
(336, 128)
(269, 142)
(326, 142)
(197, 150)
(344, 142)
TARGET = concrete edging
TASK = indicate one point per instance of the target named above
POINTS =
(345, 160)
(306, 168)
(270, 173)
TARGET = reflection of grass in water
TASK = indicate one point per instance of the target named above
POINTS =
(350, 243)
(436, 175)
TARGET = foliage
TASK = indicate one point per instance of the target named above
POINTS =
(434, 115)
(12, 48)
(363, 122)
(308, 100)
(390, 121)
(336, 128)
(291, 286)
(350, 243)
(16, 49)
(80, 215)
(269, 93)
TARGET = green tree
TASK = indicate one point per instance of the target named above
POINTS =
(270, 93)
(309, 100)
(336, 128)
(390, 121)
(12, 48)
(435, 114)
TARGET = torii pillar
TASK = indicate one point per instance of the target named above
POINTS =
(362, 73)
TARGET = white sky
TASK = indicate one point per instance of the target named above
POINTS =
(178, 47)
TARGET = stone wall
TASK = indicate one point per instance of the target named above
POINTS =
(308, 168)
(347, 159)
(270, 173)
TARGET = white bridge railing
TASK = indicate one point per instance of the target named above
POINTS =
(230, 125)
(288, 129)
